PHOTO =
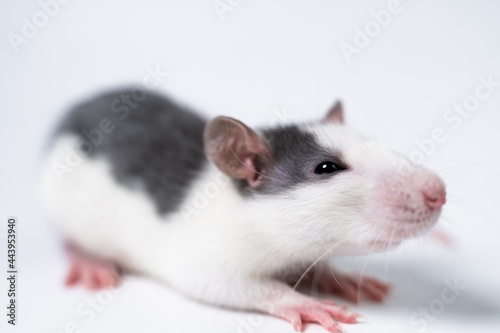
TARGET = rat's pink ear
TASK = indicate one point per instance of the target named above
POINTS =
(335, 115)
(235, 149)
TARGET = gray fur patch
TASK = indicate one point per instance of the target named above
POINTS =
(146, 138)
(295, 154)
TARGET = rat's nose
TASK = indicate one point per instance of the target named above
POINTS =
(434, 195)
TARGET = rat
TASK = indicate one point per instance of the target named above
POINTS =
(227, 214)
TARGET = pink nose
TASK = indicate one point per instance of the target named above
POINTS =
(434, 196)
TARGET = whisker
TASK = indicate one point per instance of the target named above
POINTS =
(465, 166)
(461, 202)
(309, 268)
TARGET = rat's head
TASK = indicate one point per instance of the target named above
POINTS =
(322, 182)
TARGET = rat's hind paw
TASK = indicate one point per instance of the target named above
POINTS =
(91, 273)
(353, 287)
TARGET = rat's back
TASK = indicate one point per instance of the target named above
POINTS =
(147, 140)
(117, 165)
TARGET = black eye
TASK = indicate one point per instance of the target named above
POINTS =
(327, 167)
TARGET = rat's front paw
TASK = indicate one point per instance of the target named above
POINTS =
(323, 312)
(353, 287)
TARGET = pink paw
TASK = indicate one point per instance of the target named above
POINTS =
(353, 287)
(441, 236)
(91, 273)
(323, 312)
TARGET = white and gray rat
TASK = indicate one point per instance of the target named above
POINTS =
(222, 212)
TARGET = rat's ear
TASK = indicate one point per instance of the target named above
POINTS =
(335, 115)
(235, 149)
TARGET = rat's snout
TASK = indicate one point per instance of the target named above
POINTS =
(434, 194)
(413, 201)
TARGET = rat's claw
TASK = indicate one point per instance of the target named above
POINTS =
(294, 318)
(297, 327)
(360, 318)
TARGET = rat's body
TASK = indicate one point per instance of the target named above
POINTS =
(220, 212)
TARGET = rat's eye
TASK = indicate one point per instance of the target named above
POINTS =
(327, 167)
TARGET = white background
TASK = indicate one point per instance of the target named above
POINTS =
(264, 56)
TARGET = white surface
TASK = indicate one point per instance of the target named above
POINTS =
(262, 58)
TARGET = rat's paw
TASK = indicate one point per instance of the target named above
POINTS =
(325, 313)
(91, 273)
(353, 287)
